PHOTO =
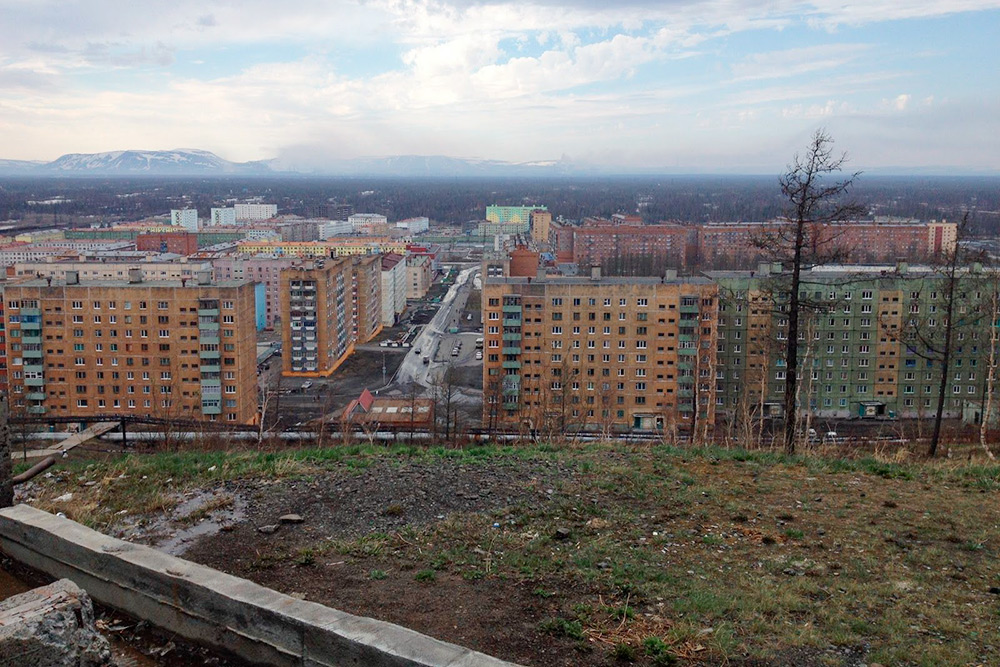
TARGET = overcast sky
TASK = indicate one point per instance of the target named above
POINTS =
(736, 85)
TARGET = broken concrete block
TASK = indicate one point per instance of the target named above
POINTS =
(51, 626)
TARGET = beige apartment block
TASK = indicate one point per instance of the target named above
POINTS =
(610, 354)
(182, 350)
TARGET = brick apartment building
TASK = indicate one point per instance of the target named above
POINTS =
(182, 243)
(265, 269)
(327, 307)
(172, 349)
(599, 353)
(630, 249)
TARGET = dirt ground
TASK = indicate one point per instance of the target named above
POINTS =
(592, 554)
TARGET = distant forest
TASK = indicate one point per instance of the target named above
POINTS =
(65, 202)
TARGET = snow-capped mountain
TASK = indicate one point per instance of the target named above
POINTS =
(180, 161)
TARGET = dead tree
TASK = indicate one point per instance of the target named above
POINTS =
(950, 283)
(806, 239)
(6, 469)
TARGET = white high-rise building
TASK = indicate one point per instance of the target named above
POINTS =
(223, 216)
(255, 212)
(186, 218)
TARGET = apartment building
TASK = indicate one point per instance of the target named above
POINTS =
(393, 288)
(327, 307)
(254, 212)
(854, 358)
(418, 276)
(512, 214)
(317, 331)
(186, 218)
(366, 296)
(219, 217)
(172, 349)
(165, 267)
(265, 270)
(182, 243)
(600, 353)
(369, 224)
(540, 222)
(630, 249)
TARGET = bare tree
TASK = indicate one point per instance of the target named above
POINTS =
(989, 389)
(950, 283)
(806, 240)
(6, 470)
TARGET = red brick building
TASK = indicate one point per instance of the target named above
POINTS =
(626, 249)
(182, 243)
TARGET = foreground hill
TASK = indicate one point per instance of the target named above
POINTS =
(591, 555)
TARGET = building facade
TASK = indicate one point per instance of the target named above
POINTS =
(600, 353)
(369, 224)
(393, 288)
(255, 212)
(512, 214)
(366, 296)
(265, 270)
(222, 216)
(418, 276)
(316, 332)
(175, 350)
(854, 358)
(630, 249)
(186, 218)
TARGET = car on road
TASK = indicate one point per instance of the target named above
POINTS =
(479, 355)
(417, 351)
(427, 360)
(307, 385)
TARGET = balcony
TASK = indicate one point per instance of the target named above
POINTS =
(36, 409)
(512, 336)
(31, 354)
(211, 409)
(511, 309)
(689, 309)
(210, 368)
(209, 354)
(30, 312)
(211, 383)
(34, 382)
(512, 350)
(33, 367)
(208, 312)
(33, 337)
(34, 326)
(511, 364)
(511, 405)
(512, 323)
(688, 351)
(36, 396)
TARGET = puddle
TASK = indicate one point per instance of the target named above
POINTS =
(197, 515)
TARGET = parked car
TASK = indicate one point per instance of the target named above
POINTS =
(307, 385)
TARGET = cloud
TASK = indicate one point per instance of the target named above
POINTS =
(795, 62)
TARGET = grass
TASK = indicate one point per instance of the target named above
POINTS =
(706, 553)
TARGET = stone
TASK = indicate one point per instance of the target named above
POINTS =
(599, 524)
(561, 534)
(269, 529)
(290, 518)
(65, 498)
(54, 626)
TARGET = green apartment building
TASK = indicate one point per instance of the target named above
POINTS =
(863, 344)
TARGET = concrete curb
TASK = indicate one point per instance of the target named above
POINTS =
(215, 609)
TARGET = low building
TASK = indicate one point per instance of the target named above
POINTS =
(186, 218)
(415, 225)
(369, 411)
(254, 212)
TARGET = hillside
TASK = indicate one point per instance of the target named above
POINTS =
(591, 554)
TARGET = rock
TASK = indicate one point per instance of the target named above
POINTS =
(994, 590)
(598, 524)
(269, 529)
(290, 518)
(53, 625)
(65, 498)
(561, 534)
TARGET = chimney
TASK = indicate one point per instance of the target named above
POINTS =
(204, 277)
(902, 268)
(72, 278)
(595, 273)
(134, 276)
(764, 268)
(540, 275)
(670, 274)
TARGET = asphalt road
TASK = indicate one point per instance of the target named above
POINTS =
(434, 341)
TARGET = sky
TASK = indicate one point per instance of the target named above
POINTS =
(688, 85)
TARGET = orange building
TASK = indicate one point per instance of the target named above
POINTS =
(600, 353)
